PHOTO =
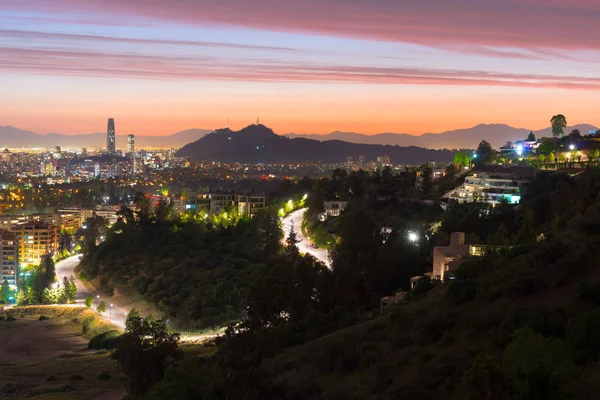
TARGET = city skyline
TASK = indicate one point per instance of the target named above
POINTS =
(366, 67)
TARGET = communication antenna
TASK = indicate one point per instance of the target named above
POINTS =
(258, 120)
(228, 122)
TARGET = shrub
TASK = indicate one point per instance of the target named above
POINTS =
(424, 285)
(88, 301)
(582, 335)
(537, 367)
(106, 340)
(10, 316)
(104, 376)
(550, 323)
(588, 292)
(483, 380)
(461, 291)
(43, 318)
(75, 377)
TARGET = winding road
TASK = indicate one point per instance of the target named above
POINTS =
(115, 315)
(295, 219)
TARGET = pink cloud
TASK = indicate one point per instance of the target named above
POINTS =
(94, 64)
(527, 24)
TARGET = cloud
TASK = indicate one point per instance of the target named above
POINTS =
(107, 65)
(49, 36)
(523, 24)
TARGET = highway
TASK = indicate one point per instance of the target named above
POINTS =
(295, 218)
(115, 315)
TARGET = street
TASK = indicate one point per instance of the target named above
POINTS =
(115, 315)
(295, 218)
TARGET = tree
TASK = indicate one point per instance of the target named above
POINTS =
(575, 133)
(531, 137)
(485, 154)
(596, 154)
(542, 159)
(143, 207)
(88, 301)
(551, 158)
(71, 290)
(484, 379)
(291, 241)
(461, 160)
(537, 367)
(427, 180)
(546, 146)
(559, 122)
(144, 352)
(5, 292)
(527, 235)
(101, 307)
(47, 267)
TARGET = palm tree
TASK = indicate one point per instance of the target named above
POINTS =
(559, 122)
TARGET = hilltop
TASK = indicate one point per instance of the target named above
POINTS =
(258, 143)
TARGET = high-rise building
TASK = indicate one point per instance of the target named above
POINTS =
(36, 239)
(9, 256)
(110, 137)
(131, 145)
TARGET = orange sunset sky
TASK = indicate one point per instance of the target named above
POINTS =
(303, 66)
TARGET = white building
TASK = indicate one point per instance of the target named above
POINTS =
(491, 184)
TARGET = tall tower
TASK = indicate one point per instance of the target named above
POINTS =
(131, 145)
(110, 137)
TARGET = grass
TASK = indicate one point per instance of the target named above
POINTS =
(45, 375)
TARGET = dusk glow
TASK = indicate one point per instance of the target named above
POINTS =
(159, 67)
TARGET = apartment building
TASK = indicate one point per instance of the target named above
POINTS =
(35, 240)
(9, 258)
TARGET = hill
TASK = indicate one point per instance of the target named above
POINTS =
(17, 138)
(496, 134)
(257, 143)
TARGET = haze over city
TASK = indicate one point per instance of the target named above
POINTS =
(304, 67)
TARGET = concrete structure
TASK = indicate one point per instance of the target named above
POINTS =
(387, 303)
(130, 146)
(109, 213)
(491, 184)
(247, 204)
(36, 239)
(9, 258)
(111, 147)
(333, 208)
(446, 259)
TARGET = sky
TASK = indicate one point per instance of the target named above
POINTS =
(303, 66)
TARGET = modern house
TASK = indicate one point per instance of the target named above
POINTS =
(491, 184)
(246, 203)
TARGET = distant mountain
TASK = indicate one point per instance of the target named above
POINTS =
(15, 138)
(257, 143)
(495, 134)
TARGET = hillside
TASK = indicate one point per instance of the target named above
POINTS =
(12, 137)
(495, 134)
(257, 143)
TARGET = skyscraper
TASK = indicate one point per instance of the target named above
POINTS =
(110, 137)
(131, 145)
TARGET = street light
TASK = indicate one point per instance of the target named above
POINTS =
(572, 147)
(413, 237)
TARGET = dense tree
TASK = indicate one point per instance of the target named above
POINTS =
(145, 351)
(462, 160)
(546, 146)
(530, 137)
(291, 241)
(485, 154)
(426, 180)
(558, 122)
(101, 307)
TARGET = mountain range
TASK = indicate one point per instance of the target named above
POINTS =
(495, 134)
(257, 143)
(12, 137)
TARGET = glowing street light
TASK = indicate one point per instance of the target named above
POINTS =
(413, 237)
(572, 147)
(520, 149)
